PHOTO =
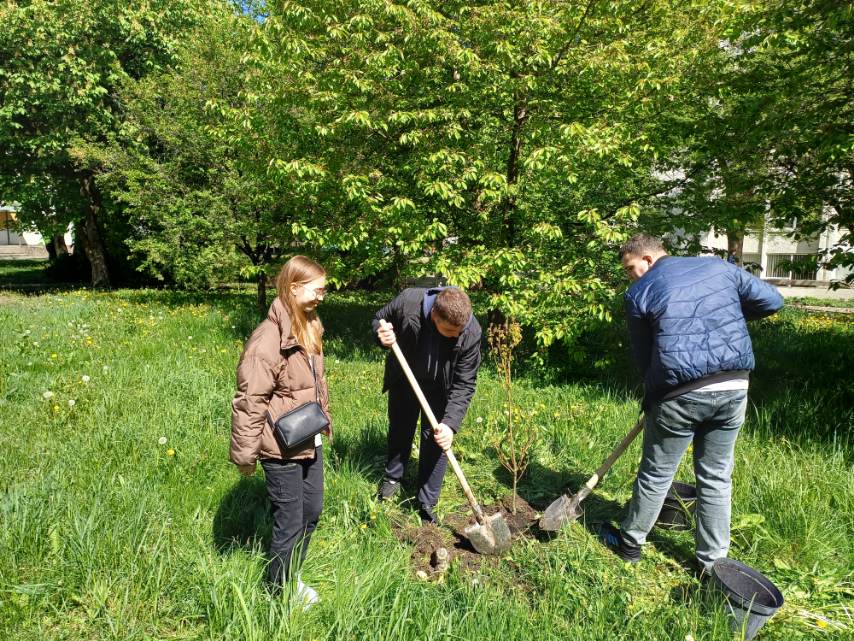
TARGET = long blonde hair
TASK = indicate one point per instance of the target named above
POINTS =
(307, 327)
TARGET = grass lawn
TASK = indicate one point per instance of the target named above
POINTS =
(843, 303)
(22, 272)
(105, 533)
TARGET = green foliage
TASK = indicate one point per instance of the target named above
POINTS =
(192, 205)
(771, 135)
(509, 146)
(505, 146)
(61, 67)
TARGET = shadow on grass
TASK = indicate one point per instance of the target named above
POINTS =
(364, 449)
(34, 277)
(243, 519)
(803, 385)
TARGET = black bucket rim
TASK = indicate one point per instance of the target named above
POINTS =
(680, 491)
(678, 507)
(749, 603)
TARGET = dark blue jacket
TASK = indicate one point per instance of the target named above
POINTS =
(407, 312)
(687, 320)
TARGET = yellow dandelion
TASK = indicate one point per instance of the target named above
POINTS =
(821, 623)
(55, 408)
(53, 356)
(170, 452)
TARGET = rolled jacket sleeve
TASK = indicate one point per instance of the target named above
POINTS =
(255, 381)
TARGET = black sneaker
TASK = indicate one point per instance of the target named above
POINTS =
(613, 539)
(427, 516)
(388, 489)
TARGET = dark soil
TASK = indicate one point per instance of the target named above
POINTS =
(426, 539)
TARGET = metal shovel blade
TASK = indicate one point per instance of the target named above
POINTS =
(565, 509)
(568, 507)
(493, 537)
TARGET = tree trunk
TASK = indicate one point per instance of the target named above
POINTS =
(51, 251)
(520, 115)
(262, 293)
(59, 246)
(735, 245)
(91, 236)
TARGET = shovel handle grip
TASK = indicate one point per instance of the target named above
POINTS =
(428, 412)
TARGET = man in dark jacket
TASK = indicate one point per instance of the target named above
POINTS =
(440, 338)
(687, 320)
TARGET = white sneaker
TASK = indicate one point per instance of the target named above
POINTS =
(306, 594)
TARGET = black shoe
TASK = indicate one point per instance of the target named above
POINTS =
(614, 541)
(388, 489)
(427, 516)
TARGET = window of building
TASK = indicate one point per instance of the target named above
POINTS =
(794, 266)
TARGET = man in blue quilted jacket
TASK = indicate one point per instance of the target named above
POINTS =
(688, 323)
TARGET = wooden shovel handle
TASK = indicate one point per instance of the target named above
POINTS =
(593, 481)
(428, 412)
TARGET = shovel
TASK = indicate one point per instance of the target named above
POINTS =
(490, 535)
(567, 508)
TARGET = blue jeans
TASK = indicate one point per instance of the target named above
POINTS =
(711, 421)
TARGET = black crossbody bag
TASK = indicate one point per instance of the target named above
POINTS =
(299, 425)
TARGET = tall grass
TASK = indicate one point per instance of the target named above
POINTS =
(107, 534)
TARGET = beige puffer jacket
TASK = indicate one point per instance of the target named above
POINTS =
(273, 377)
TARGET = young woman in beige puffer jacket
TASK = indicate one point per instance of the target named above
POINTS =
(282, 368)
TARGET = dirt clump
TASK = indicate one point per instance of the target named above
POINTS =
(427, 539)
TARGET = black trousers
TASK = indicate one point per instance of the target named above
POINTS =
(295, 488)
(403, 413)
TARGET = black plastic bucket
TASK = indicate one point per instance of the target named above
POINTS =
(678, 508)
(751, 597)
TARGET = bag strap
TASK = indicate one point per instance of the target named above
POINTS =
(314, 375)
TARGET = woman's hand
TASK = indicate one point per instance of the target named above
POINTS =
(246, 470)
(385, 333)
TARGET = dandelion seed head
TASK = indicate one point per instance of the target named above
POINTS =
(47, 395)
(161, 440)
(71, 402)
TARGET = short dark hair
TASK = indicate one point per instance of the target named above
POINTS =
(641, 244)
(453, 306)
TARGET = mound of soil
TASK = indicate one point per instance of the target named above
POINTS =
(426, 539)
